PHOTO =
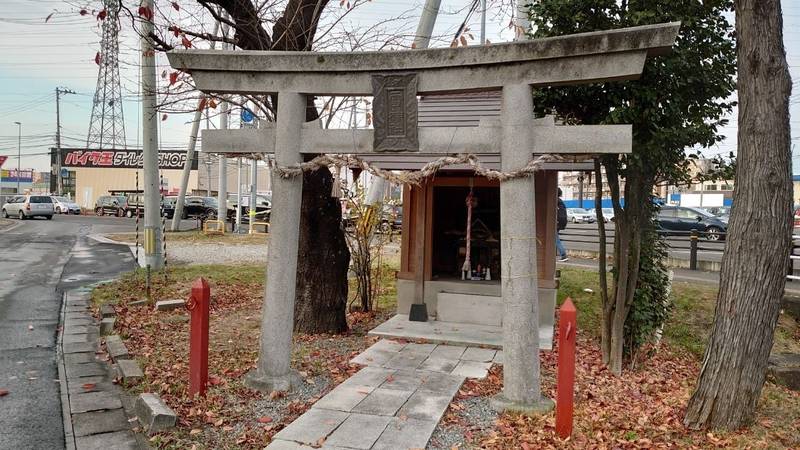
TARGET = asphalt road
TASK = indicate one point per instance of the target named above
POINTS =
(40, 259)
(584, 236)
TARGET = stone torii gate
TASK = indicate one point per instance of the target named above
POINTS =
(395, 79)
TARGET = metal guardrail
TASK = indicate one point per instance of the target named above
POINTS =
(695, 243)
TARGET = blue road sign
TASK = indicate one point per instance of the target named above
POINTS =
(64, 172)
(247, 115)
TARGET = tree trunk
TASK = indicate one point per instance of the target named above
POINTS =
(753, 270)
(628, 223)
(323, 258)
(605, 333)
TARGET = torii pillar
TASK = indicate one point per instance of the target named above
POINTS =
(275, 353)
(519, 274)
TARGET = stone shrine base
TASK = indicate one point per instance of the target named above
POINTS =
(452, 333)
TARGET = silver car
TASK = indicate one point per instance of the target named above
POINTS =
(25, 206)
(580, 215)
(63, 205)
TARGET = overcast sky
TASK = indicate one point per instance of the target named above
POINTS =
(37, 57)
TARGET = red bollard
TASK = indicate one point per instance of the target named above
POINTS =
(565, 389)
(198, 337)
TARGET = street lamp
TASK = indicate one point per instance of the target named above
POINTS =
(19, 152)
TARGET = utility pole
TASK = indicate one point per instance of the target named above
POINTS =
(209, 163)
(19, 152)
(222, 192)
(521, 22)
(191, 155)
(483, 22)
(426, 22)
(252, 207)
(59, 179)
(153, 237)
(238, 226)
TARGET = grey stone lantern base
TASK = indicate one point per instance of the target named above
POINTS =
(501, 404)
(265, 383)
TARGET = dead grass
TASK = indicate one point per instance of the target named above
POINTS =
(229, 416)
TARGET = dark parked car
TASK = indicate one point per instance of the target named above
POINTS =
(193, 207)
(115, 205)
(168, 207)
(263, 208)
(681, 218)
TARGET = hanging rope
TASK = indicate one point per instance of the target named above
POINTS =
(417, 176)
(466, 269)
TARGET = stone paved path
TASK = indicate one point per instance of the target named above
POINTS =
(394, 403)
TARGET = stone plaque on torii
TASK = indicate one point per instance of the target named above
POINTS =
(513, 68)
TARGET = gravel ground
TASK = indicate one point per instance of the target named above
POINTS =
(477, 411)
(277, 408)
(213, 253)
(193, 253)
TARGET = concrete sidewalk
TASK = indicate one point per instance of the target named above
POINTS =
(681, 275)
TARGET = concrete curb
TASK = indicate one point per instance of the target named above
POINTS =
(69, 435)
(93, 408)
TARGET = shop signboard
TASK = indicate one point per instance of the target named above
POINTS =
(121, 159)
(10, 176)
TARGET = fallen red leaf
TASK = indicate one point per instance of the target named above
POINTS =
(88, 386)
(3, 392)
(176, 6)
(173, 77)
(102, 15)
(264, 419)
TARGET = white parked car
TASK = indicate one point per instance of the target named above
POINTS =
(580, 215)
(608, 215)
(27, 206)
(63, 205)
